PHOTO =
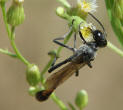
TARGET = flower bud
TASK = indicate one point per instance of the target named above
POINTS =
(60, 11)
(81, 99)
(19, 2)
(33, 75)
(15, 14)
(33, 90)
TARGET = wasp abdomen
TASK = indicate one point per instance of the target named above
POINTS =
(43, 95)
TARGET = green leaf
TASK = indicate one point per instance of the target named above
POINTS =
(118, 29)
(115, 21)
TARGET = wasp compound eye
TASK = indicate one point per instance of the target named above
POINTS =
(100, 39)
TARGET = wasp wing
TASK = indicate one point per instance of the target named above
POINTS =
(62, 75)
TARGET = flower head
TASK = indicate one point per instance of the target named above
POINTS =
(86, 31)
(33, 75)
(87, 5)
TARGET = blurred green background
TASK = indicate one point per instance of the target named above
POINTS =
(104, 82)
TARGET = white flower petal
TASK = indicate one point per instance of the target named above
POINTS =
(87, 5)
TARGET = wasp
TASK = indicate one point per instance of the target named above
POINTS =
(81, 57)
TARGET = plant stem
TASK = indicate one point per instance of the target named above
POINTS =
(11, 35)
(16, 49)
(47, 66)
(65, 41)
(65, 3)
(5, 19)
(71, 106)
(115, 49)
(8, 53)
(58, 102)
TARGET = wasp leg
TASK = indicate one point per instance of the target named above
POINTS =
(77, 73)
(54, 61)
(57, 66)
(63, 37)
(86, 58)
(61, 63)
(89, 64)
(62, 44)
(54, 54)
(75, 40)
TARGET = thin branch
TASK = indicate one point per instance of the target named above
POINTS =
(5, 51)
(115, 49)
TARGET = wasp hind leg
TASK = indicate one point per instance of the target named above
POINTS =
(54, 61)
(77, 73)
(60, 64)
(57, 41)
(89, 64)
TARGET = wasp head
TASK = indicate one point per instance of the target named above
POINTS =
(100, 38)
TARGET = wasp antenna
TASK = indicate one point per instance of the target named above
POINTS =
(98, 22)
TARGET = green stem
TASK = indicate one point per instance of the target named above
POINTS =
(115, 49)
(71, 106)
(45, 70)
(65, 41)
(47, 66)
(18, 53)
(8, 53)
(11, 36)
(15, 48)
(65, 3)
(58, 102)
(5, 19)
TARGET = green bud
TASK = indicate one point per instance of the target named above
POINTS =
(117, 9)
(60, 11)
(81, 99)
(15, 14)
(33, 90)
(33, 75)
